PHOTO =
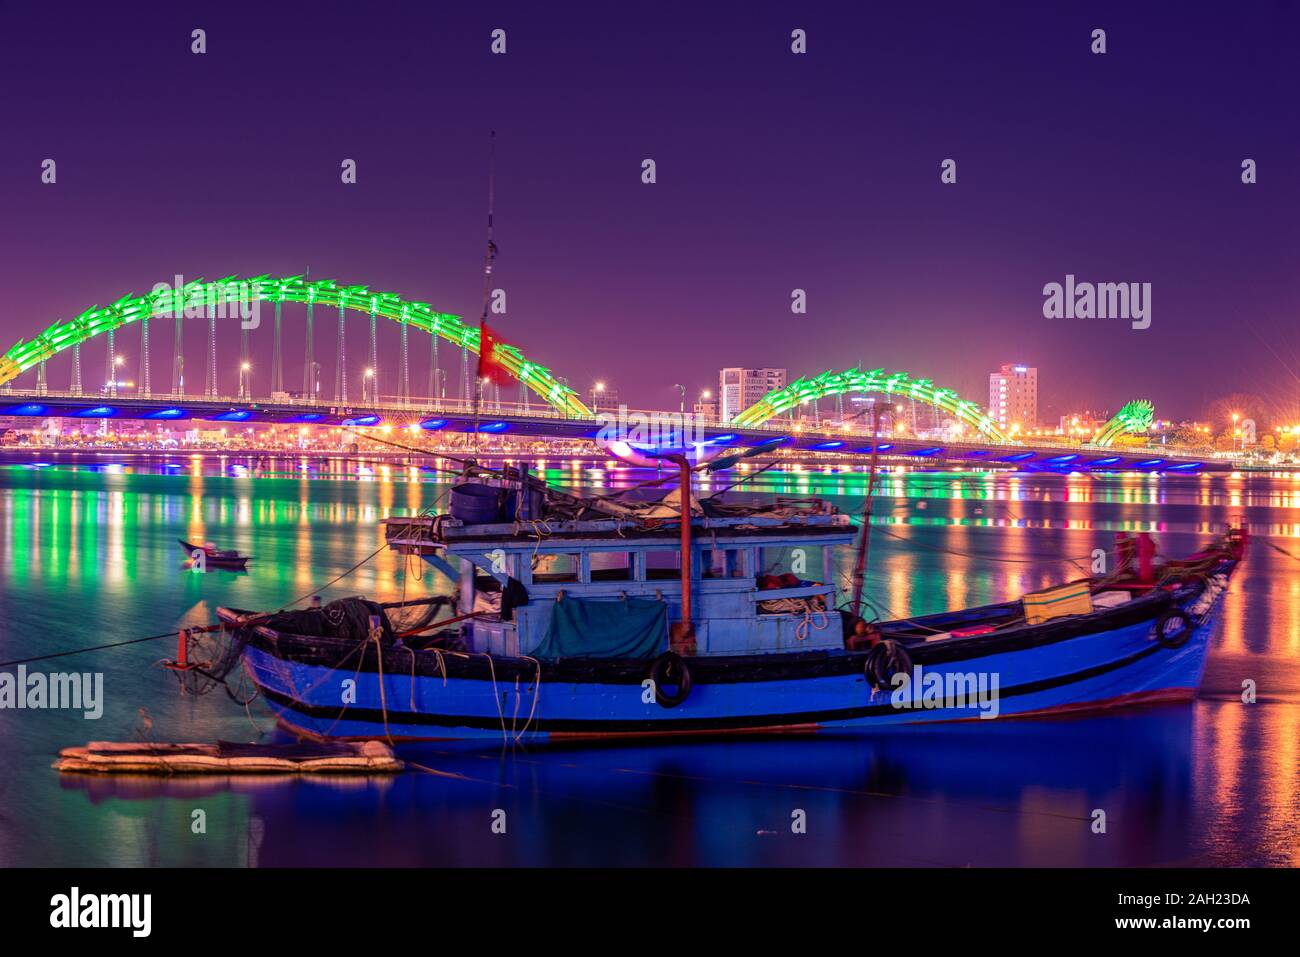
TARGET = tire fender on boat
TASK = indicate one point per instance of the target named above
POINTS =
(883, 661)
(670, 668)
(1173, 628)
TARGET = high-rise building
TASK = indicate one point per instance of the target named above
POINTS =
(604, 398)
(738, 389)
(1013, 397)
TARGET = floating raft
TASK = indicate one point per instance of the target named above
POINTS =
(224, 757)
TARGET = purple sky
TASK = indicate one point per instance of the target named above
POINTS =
(775, 171)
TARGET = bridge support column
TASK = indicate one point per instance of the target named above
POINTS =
(110, 363)
(76, 368)
(341, 365)
(404, 384)
(309, 361)
(277, 354)
(178, 357)
(406, 366)
(374, 351)
(245, 362)
(435, 375)
(210, 387)
(145, 385)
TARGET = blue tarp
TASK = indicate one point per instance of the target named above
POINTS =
(621, 628)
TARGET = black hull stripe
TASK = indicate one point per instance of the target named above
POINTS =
(729, 723)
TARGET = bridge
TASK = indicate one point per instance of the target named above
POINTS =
(547, 406)
(512, 419)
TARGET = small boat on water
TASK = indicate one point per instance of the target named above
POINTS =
(211, 555)
(608, 618)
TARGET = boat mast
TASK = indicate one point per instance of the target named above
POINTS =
(682, 633)
(489, 256)
(864, 541)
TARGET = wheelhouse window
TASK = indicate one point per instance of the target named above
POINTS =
(663, 565)
(802, 562)
(723, 563)
(556, 568)
(611, 566)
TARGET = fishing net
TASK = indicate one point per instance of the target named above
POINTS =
(347, 618)
(412, 617)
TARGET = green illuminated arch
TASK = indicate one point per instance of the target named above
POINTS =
(232, 290)
(780, 401)
(1135, 416)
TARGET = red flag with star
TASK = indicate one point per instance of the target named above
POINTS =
(490, 368)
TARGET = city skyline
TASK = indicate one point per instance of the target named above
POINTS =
(899, 269)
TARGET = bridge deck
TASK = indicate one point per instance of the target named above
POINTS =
(453, 416)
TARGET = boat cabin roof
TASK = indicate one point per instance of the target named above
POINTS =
(598, 534)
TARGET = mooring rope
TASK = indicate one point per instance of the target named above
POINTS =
(78, 651)
(383, 697)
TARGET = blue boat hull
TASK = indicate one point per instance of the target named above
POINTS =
(1097, 661)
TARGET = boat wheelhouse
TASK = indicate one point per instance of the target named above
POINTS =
(613, 560)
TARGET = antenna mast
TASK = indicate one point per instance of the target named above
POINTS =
(488, 258)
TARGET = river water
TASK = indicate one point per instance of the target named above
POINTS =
(89, 555)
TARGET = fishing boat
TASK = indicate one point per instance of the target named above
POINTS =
(602, 618)
(213, 556)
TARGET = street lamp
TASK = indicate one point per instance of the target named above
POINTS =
(596, 389)
(682, 389)
(245, 381)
